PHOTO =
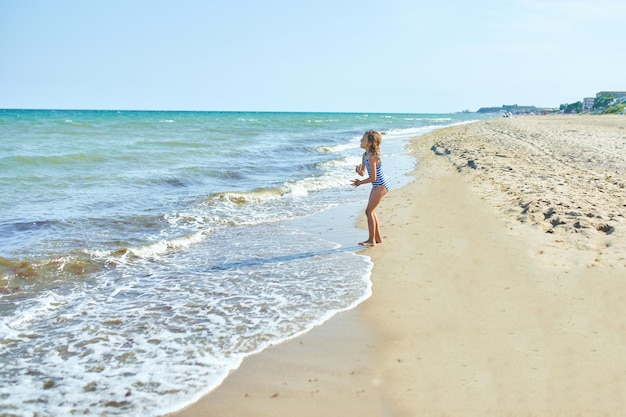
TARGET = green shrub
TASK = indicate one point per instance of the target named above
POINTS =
(616, 109)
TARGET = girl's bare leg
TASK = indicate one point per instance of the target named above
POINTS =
(377, 237)
(373, 226)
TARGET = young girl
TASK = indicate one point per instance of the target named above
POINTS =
(371, 162)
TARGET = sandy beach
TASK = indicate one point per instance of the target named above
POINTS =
(500, 289)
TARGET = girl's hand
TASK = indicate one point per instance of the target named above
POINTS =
(356, 183)
(359, 169)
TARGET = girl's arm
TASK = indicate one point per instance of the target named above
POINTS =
(373, 160)
(360, 169)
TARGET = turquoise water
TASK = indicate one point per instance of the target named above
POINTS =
(143, 255)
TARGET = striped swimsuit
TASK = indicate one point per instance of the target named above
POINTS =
(380, 176)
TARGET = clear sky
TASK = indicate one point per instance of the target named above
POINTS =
(325, 55)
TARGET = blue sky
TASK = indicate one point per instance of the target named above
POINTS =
(329, 55)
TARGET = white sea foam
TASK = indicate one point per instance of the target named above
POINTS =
(164, 246)
(43, 306)
(131, 337)
(337, 148)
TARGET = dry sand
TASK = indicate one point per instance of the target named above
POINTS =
(500, 289)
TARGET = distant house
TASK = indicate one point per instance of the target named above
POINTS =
(616, 94)
(588, 103)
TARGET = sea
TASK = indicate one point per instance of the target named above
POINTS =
(145, 254)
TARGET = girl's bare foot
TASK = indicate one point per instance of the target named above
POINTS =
(367, 243)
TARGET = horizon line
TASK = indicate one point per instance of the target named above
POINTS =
(229, 111)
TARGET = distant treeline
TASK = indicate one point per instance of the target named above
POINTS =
(605, 104)
(513, 108)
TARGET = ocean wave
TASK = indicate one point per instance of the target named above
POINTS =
(257, 196)
(231, 174)
(151, 144)
(321, 120)
(315, 184)
(342, 147)
(65, 159)
(334, 165)
(18, 226)
(36, 275)
(331, 177)
(18, 274)
(150, 251)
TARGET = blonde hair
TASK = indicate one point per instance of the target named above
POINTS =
(374, 139)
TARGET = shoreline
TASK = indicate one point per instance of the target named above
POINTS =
(490, 296)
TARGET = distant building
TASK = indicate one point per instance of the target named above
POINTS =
(616, 94)
(588, 103)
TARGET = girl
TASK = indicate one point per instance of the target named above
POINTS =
(371, 162)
